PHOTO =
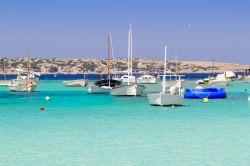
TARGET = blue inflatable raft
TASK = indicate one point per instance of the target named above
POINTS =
(210, 93)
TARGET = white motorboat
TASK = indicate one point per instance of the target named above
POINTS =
(76, 83)
(127, 78)
(223, 79)
(132, 88)
(172, 97)
(220, 80)
(147, 79)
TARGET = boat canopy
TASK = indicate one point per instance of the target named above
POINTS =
(112, 83)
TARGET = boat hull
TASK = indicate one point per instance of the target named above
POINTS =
(23, 85)
(147, 81)
(76, 83)
(247, 79)
(160, 99)
(97, 90)
(128, 90)
(22, 88)
(4, 82)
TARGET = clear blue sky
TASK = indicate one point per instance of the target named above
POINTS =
(220, 29)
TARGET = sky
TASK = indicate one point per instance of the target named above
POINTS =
(199, 30)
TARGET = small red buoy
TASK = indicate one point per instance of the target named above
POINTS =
(42, 109)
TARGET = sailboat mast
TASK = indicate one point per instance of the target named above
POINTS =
(28, 66)
(164, 75)
(131, 50)
(109, 60)
(176, 63)
(112, 53)
(129, 57)
(153, 62)
(4, 72)
(213, 67)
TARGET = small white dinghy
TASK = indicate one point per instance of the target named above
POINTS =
(76, 83)
(172, 97)
(248, 98)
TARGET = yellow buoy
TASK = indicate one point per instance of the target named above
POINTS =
(205, 100)
(47, 98)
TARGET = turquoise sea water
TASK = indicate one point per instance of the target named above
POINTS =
(81, 129)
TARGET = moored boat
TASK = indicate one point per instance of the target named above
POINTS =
(170, 98)
(147, 79)
(132, 88)
(26, 81)
(104, 85)
(76, 83)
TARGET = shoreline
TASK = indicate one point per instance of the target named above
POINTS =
(95, 66)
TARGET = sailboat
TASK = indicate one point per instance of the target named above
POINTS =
(26, 81)
(131, 89)
(104, 85)
(4, 82)
(172, 97)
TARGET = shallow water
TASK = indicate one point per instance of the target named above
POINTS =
(77, 128)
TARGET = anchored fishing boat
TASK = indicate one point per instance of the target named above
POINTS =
(105, 85)
(26, 81)
(76, 83)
